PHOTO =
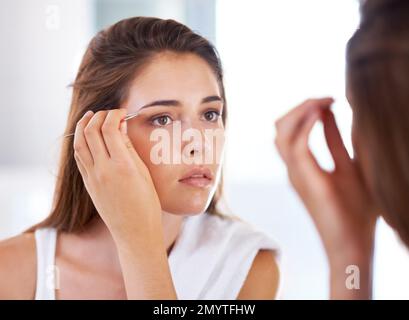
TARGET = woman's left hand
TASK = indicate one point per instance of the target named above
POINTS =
(338, 201)
(117, 180)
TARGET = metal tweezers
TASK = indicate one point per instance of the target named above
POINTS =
(129, 116)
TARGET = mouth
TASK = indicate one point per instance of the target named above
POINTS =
(198, 177)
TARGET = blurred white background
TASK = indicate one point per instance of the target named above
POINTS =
(276, 53)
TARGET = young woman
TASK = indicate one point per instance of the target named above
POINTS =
(345, 203)
(123, 226)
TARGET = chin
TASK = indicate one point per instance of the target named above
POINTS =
(189, 207)
(185, 201)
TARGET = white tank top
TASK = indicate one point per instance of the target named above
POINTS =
(209, 260)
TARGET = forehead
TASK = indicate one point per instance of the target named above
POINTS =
(183, 77)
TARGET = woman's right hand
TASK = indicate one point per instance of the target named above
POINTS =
(124, 195)
(338, 201)
(116, 178)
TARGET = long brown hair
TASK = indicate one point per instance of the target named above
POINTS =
(378, 81)
(113, 58)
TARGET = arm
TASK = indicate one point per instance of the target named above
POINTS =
(263, 279)
(18, 268)
(124, 195)
(339, 202)
(145, 267)
(351, 277)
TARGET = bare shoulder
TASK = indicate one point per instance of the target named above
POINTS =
(262, 281)
(18, 267)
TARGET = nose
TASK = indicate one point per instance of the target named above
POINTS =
(196, 145)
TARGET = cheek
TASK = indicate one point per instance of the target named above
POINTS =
(161, 174)
(358, 143)
(142, 147)
(174, 197)
(164, 179)
(355, 138)
(215, 140)
(362, 156)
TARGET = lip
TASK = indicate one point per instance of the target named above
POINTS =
(198, 177)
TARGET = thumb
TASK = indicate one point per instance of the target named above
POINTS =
(334, 140)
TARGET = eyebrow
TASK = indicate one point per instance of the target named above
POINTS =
(176, 103)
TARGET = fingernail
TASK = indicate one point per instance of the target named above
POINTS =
(88, 113)
(123, 127)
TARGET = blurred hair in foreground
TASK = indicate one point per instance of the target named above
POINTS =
(378, 89)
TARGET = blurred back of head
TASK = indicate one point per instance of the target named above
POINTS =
(378, 89)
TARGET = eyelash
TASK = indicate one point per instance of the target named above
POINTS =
(153, 119)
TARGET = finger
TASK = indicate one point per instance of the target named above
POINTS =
(80, 166)
(299, 149)
(287, 125)
(112, 134)
(125, 146)
(303, 134)
(130, 147)
(334, 140)
(302, 163)
(309, 104)
(80, 144)
(93, 135)
(127, 143)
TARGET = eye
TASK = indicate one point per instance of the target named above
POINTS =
(161, 121)
(212, 115)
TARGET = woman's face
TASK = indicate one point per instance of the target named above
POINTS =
(179, 132)
(354, 126)
(361, 154)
